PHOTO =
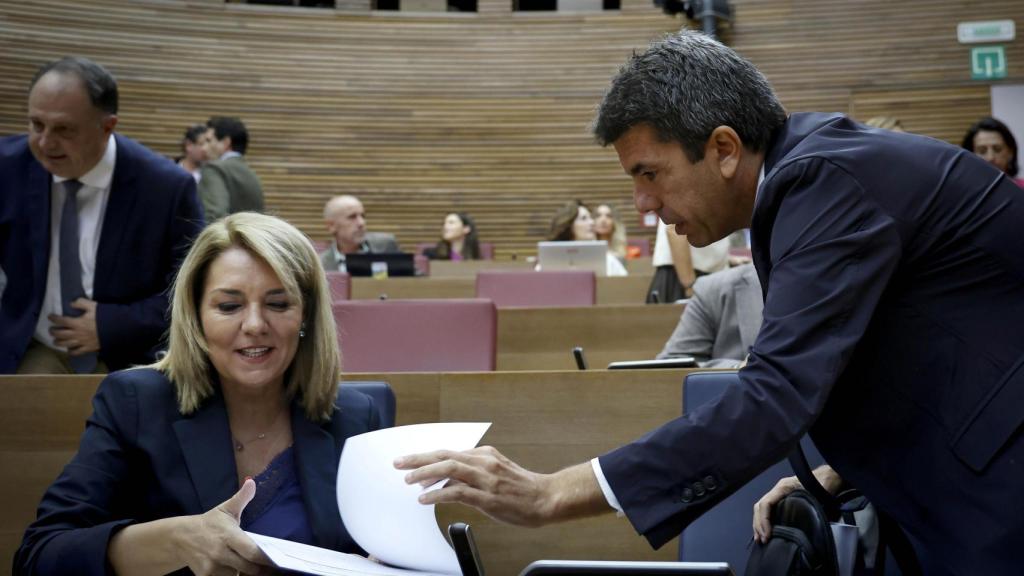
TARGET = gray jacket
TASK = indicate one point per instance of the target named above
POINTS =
(721, 321)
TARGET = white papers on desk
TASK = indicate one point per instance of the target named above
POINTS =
(380, 511)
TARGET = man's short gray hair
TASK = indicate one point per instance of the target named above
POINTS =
(684, 86)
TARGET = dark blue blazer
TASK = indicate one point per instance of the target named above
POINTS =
(893, 274)
(141, 460)
(152, 216)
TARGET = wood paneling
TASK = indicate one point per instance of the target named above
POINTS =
(487, 113)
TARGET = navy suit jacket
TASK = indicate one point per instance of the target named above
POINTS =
(152, 216)
(893, 273)
(140, 459)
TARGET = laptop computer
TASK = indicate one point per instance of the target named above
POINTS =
(573, 255)
(380, 265)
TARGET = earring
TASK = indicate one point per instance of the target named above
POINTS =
(302, 330)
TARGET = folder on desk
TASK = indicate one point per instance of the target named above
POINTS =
(380, 511)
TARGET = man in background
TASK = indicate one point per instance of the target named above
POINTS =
(93, 226)
(721, 320)
(194, 149)
(227, 184)
(346, 222)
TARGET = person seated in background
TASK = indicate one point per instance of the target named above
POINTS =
(195, 146)
(346, 222)
(458, 239)
(721, 320)
(574, 222)
(239, 427)
(93, 226)
(993, 141)
(227, 184)
(678, 264)
(886, 123)
(607, 227)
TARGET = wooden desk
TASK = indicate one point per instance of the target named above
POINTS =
(469, 268)
(614, 290)
(542, 338)
(543, 420)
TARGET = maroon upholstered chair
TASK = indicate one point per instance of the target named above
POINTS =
(509, 288)
(341, 286)
(458, 335)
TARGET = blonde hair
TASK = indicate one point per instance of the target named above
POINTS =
(617, 242)
(316, 369)
(885, 123)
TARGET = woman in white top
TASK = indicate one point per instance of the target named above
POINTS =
(574, 222)
(607, 227)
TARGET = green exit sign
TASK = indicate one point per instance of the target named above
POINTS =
(987, 31)
(988, 62)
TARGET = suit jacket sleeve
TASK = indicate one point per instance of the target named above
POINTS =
(833, 251)
(695, 333)
(79, 512)
(129, 330)
(213, 191)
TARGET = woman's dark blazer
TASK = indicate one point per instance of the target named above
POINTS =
(140, 459)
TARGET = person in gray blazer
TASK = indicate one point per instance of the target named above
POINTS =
(721, 321)
(227, 184)
(346, 221)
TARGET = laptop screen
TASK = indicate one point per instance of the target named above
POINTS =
(574, 255)
(380, 265)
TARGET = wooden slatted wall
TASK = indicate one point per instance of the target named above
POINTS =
(488, 113)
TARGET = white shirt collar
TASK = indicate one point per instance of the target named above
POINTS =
(760, 180)
(103, 172)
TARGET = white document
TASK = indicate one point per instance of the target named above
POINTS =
(380, 511)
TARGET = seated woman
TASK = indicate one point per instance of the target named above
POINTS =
(239, 427)
(573, 222)
(608, 228)
(993, 141)
(458, 239)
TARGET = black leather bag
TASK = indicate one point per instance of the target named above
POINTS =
(801, 542)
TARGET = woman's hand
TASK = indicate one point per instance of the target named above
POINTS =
(763, 508)
(209, 544)
(214, 543)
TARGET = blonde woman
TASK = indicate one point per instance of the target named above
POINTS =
(609, 228)
(239, 427)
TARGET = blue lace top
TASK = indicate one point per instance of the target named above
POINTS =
(277, 510)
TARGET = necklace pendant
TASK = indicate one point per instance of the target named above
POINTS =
(261, 436)
(239, 447)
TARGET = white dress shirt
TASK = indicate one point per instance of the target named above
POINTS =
(92, 204)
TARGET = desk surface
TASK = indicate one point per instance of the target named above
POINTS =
(543, 420)
(610, 290)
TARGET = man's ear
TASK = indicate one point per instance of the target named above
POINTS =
(728, 149)
(108, 123)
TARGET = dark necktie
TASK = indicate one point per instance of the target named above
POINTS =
(71, 268)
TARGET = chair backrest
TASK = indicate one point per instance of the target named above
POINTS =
(383, 396)
(456, 335)
(340, 284)
(486, 249)
(722, 533)
(508, 288)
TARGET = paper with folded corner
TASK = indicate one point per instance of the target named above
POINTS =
(380, 511)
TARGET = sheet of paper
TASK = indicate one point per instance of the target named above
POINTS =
(312, 560)
(380, 510)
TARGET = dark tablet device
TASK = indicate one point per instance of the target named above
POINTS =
(370, 264)
(678, 362)
(601, 568)
(465, 549)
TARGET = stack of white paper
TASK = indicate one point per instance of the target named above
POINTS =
(380, 511)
